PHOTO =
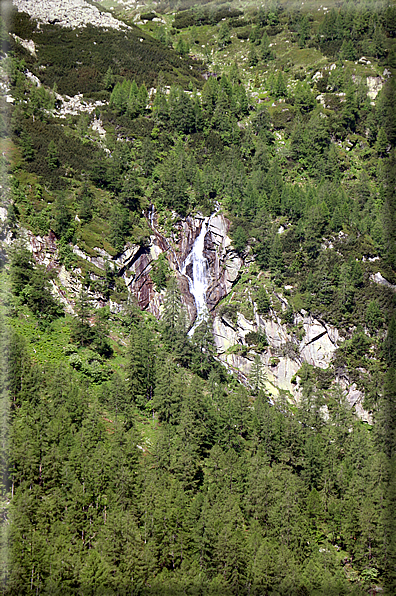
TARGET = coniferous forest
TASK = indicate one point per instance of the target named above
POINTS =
(137, 458)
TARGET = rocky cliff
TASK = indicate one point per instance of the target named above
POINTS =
(285, 353)
(223, 262)
(314, 344)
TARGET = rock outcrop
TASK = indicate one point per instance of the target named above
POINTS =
(68, 13)
(374, 85)
(224, 263)
(285, 353)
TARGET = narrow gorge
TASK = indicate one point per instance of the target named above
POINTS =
(200, 254)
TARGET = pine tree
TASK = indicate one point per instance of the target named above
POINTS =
(81, 329)
(167, 394)
(276, 258)
(132, 107)
(252, 57)
(381, 145)
(142, 99)
(182, 47)
(257, 375)
(140, 368)
(348, 51)
(85, 200)
(379, 42)
(262, 301)
(265, 50)
(346, 287)
(172, 312)
(234, 73)
(28, 151)
(205, 350)
(108, 79)
(52, 156)
(303, 32)
(303, 97)
(61, 224)
(280, 89)
(160, 106)
(223, 37)
(119, 226)
(209, 95)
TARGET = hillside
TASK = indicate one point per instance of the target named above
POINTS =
(198, 277)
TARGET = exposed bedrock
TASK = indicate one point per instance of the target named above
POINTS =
(284, 354)
(223, 263)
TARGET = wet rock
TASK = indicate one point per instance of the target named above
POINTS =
(224, 262)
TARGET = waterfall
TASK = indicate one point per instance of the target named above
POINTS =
(196, 269)
(151, 216)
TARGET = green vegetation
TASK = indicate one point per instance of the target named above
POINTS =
(133, 462)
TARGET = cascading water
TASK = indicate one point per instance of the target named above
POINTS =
(151, 216)
(197, 274)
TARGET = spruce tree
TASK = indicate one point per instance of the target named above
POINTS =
(382, 143)
(257, 375)
(81, 331)
(108, 79)
(280, 89)
(265, 50)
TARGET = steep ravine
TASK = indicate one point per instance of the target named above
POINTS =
(201, 247)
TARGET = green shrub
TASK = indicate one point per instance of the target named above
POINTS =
(147, 16)
(238, 349)
(240, 239)
(229, 312)
(287, 316)
(66, 255)
(257, 338)
(84, 59)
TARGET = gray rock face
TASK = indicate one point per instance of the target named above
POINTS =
(320, 342)
(380, 279)
(374, 85)
(68, 13)
(224, 263)
(285, 353)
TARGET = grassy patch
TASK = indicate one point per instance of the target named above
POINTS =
(44, 345)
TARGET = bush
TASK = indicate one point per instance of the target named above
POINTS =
(229, 311)
(240, 239)
(287, 316)
(84, 63)
(160, 273)
(244, 33)
(257, 338)
(238, 349)
(147, 16)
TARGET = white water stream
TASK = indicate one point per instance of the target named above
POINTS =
(200, 279)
